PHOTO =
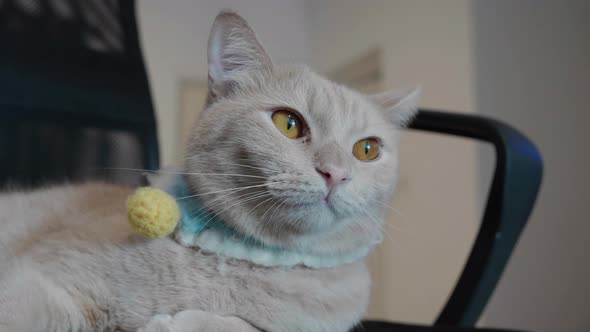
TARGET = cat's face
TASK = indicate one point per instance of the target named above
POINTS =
(286, 153)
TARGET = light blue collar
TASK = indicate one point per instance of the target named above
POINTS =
(202, 229)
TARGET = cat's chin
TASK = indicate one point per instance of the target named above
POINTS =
(344, 236)
(318, 227)
(318, 204)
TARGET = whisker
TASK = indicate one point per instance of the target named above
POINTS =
(397, 229)
(278, 208)
(358, 215)
(212, 214)
(254, 208)
(183, 173)
(261, 224)
(256, 196)
(230, 189)
(374, 219)
(247, 166)
(365, 229)
(283, 162)
(384, 226)
(273, 205)
(360, 224)
(209, 206)
(253, 167)
(390, 207)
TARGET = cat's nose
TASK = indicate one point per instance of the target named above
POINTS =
(334, 175)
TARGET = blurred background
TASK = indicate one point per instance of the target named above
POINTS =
(524, 62)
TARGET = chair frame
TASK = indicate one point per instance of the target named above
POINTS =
(516, 182)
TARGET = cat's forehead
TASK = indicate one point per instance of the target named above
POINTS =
(325, 104)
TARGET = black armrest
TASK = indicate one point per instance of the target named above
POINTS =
(511, 198)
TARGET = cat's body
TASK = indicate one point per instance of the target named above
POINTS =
(109, 277)
(280, 155)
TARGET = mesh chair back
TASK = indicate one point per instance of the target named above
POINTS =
(74, 94)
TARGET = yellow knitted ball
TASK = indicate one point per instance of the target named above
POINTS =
(152, 212)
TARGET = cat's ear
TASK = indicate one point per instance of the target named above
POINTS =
(401, 105)
(234, 51)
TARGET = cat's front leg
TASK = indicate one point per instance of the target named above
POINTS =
(31, 302)
(197, 321)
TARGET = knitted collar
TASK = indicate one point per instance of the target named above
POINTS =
(200, 228)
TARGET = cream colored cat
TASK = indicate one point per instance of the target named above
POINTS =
(280, 155)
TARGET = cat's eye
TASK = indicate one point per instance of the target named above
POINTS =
(288, 123)
(366, 149)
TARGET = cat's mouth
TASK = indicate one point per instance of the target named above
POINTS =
(329, 197)
(323, 201)
(316, 200)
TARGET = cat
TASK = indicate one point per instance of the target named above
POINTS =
(280, 155)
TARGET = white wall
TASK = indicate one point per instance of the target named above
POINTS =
(533, 71)
(174, 38)
(426, 42)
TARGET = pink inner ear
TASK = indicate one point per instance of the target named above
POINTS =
(401, 104)
(233, 46)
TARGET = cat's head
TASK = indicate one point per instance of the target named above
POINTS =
(289, 157)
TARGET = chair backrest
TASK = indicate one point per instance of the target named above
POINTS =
(515, 185)
(512, 196)
(74, 95)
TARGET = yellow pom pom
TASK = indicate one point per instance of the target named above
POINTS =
(152, 212)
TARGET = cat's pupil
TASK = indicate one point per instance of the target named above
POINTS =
(290, 123)
(367, 148)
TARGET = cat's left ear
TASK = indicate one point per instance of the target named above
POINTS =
(234, 54)
(401, 105)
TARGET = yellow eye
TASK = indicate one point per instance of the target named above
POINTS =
(366, 149)
(288, 123)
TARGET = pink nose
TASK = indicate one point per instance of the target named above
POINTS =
(334, 175)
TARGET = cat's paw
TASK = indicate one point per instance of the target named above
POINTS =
(197, 321)
(159, 323)
(201, 321)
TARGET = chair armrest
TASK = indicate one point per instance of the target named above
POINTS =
(514, 188)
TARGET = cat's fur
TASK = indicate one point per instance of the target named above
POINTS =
(70, 262)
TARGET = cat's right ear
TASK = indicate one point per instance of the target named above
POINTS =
(400, 105)
(234, 53)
